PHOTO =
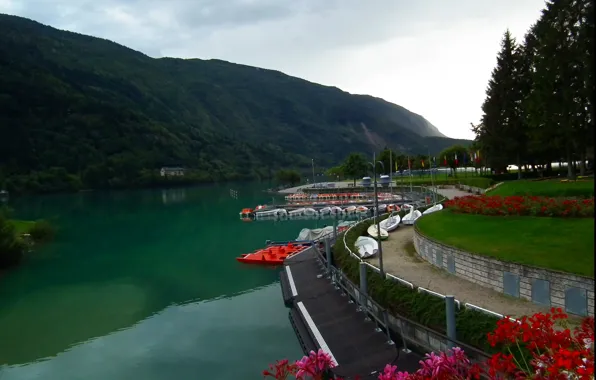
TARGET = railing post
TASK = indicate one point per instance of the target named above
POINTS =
(334, 229)
(328, 254)
(363, 284)
(450, 314)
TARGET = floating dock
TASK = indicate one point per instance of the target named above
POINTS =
(324, 317)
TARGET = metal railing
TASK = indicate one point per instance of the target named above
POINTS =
(407, 330)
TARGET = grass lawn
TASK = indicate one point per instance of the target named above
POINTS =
(549, 188)
(22, 226)
(553, 243)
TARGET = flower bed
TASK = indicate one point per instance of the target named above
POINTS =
(538, 347)
(522, 205)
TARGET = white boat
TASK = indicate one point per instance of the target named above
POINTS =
(336, 210)
(362, 209)
(270, 213)
(350, 209)
(437, 207)
(390, 223)
(310, 211)
(325, 211)
(406, 206)
(366, 246)
(382, 208)
(411, 217)
(297, 212)
(372, 231)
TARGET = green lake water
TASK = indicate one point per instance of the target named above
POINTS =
(144, 285)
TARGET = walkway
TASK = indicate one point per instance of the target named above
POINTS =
(323, 318)
(401, 260)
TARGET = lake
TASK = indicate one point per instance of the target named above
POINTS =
(143, 284)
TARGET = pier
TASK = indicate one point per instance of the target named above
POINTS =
(326, 316)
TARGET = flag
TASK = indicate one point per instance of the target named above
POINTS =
(445, 160)
(456, 159)
(409, 166)
(478, 156)
(423, 162)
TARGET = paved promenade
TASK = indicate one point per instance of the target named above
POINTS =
(401, 260)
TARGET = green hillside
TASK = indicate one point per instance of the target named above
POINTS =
(84, 112)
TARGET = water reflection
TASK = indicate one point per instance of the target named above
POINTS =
(173, 195)
(181, 342)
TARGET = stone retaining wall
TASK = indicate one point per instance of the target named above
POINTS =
(573, 293)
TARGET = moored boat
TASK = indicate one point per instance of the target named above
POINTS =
(372, 231)
(411, 217)
(391, 223)
(272, 255)
(366, 246)
(437, 207)
(325, 211)
(350, 209)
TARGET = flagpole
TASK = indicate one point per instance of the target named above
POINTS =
(390, 173)
(410, 170)
(432, 183)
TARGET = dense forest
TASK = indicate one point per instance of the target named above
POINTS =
(83, 112)
(539, 107)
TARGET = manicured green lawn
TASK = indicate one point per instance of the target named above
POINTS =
(548, 188)
(22, 226)
(554, 243)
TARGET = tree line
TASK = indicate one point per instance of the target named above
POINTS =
(356, 165)
(539, 105)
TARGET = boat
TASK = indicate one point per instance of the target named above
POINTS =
(260, 207)
(297, 212)
(411, 217)
(366, 246)
(272, 254)
(437, 207)
(310, 211)
(325, 211)
(336, 210)
(372, 231)
(270, 213)
(382, 208)
(362, 209)
(350, 209)
(393, 207)
(390, 223)
(306, 234)
(246, 213)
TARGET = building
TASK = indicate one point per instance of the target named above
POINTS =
(169, 171)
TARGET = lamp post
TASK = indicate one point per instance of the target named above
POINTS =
(313, 172)
(381, 271)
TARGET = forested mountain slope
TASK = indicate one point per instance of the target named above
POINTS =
(80, 111)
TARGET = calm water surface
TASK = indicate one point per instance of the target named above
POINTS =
(144, 285)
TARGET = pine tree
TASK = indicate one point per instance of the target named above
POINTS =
(501, 131)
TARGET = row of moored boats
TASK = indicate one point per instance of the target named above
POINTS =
(368, 246)
(262, 212)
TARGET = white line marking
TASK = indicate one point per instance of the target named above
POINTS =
(316, 332)
(291, 281)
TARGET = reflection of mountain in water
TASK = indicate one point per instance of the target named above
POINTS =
(173, 195)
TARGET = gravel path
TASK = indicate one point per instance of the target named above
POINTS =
(401, 260)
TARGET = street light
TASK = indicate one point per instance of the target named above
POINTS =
(381, 271)
(313, 172)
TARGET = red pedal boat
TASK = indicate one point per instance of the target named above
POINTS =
(271, 255)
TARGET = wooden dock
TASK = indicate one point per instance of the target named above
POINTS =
(325, 317)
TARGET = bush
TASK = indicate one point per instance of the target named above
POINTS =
(398, 299)
(42, 231)
(12, 248)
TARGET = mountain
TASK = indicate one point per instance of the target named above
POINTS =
(82, 111)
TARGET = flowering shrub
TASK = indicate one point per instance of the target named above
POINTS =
(537, 347)
(521, 205)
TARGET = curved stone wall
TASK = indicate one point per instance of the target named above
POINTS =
(573, 293)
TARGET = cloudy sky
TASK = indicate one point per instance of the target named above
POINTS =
(433, 57)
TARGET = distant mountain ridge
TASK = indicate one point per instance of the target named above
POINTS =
(77, 102)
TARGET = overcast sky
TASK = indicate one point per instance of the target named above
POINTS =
(433, 57)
